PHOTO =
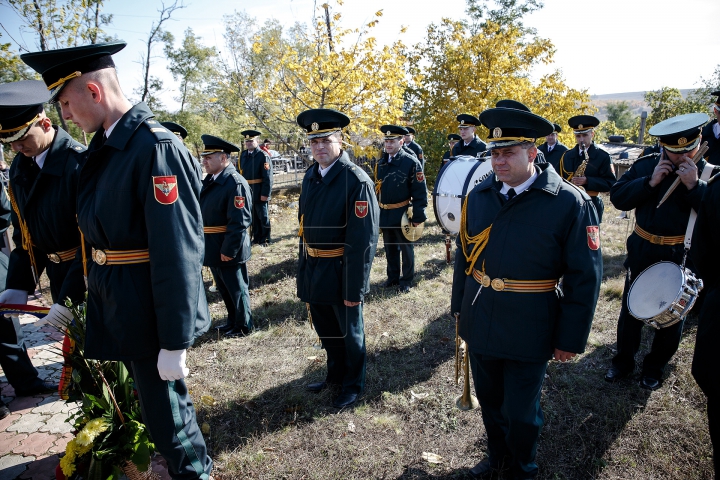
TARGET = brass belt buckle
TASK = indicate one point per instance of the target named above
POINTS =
(54, 257)
(498, 284)
(485, 281)
(656, 240)
(99, 257)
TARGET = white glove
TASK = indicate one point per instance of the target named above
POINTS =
(171, 364)
(15, 297)
(59, 315)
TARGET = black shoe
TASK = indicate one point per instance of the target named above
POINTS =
(317, 387)
(649, 383)
(42, 386)
(485, 469)
(390, 283)
(4, 410)
(225, 328)
(404, 289)
(238, 332)
(345, 400)
(614, 374)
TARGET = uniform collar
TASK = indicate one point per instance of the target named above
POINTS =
(224, 174)
(337, 166)
(55, 161)
(124, 129)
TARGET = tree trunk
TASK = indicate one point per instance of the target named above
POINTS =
(327, 22)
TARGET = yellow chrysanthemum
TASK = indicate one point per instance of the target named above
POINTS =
(67, 462)
(91, 431)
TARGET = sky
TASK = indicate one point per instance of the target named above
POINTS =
(608, 46)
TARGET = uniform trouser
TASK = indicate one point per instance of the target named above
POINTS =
(57, 272)
(169, 414)
(395, 245)
(706, 366)
(260, 222)
(599, 207)
(509, 395)
(232, 283)
(342, 333)
(14, 360)
(629, 330)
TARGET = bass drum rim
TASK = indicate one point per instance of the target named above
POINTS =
(464, 193)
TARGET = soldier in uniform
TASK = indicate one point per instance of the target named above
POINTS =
(399, 180)
(658, 236)
(255, 166)
(43, 191)
(138, 210)
(226, 204)
(453, 139)
(338, 217)
(409, 142)
(469, 144)
(177, 129)
(599, 173)
(552, 149)
(505, 288)
(711, 133)
(706, 364)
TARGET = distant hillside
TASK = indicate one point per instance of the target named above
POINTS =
(635, 99)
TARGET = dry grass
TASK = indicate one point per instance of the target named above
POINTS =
(264, 425)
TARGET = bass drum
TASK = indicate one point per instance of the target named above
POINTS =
(453, 183)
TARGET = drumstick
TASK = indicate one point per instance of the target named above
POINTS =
(698, 156)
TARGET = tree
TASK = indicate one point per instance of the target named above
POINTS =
(12, 69)
(151, 86)
(275, 74)
(508, 13)
(191, 65)
(620, 114)
(457, 71)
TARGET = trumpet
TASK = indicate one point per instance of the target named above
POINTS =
(466, 401)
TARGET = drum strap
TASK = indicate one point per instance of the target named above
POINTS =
(705, 176)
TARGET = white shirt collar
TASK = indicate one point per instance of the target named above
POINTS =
(324, 171)
(550, 147)
(716, 130)
(40, 159)
(110, 129)
(520, 188)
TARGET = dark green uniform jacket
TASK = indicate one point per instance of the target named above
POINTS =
(418, 151)
(599, 172)
(257, 167)
(553, 158)
(46, 201)
(472, 149)
(141, 190)
(338, 210)
(227, 200)
(708, 135)
(633, 191)
(402, 179)
(526, 246)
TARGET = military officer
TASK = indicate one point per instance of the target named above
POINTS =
(338, 217)
(399, 180)
(226, 204)
(711, 133)
(659, 234)
(138, 209)
(409, 142)
(552, 149)
(599, 172)
(256, 168)
(177, 129)
(705, 255)
(453, 138)
(505, 287)
(470, 144)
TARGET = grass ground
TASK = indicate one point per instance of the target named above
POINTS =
(261, 424)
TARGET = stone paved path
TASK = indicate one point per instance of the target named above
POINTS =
(33, 437)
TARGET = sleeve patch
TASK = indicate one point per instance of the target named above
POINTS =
(420, 176)
(593, 237)
(267, 166)
(361, 208)
(239, 202)
(165, 189)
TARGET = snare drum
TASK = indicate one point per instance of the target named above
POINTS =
(453, 183)
(663, 294)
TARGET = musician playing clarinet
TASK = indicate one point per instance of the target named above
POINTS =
(659, 234)
(586, 165)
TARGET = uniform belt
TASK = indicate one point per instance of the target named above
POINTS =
(220, 229)
(120, 257)
(390, 206)
(320, 253)
(520, 286)
(659, 239)
(65, 256)
(593, 194)
(257, 180)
